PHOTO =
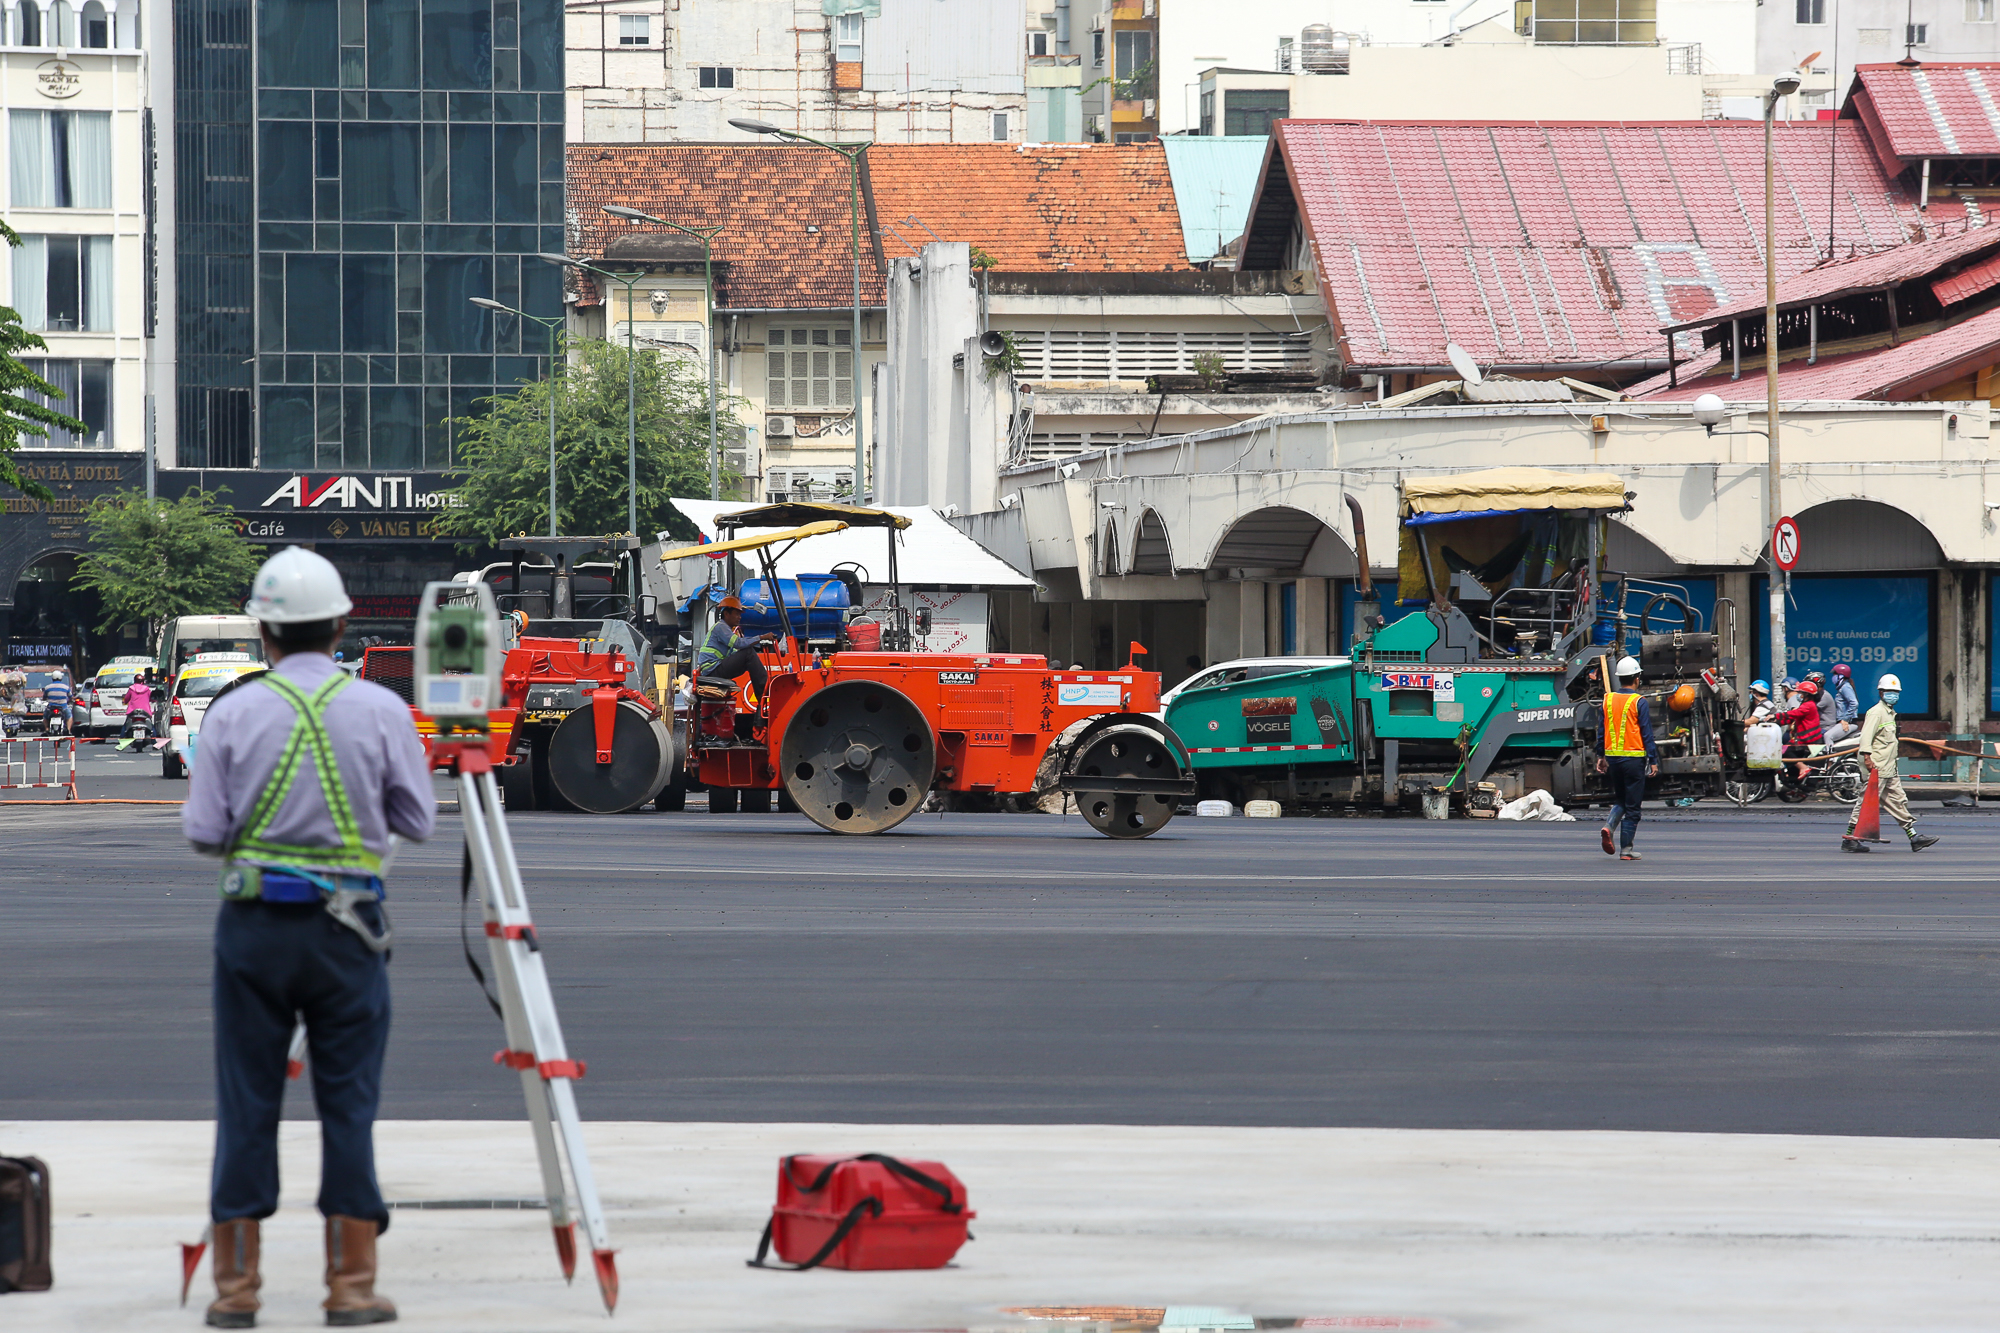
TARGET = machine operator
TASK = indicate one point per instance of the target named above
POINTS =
(303, 776)
(727, 655)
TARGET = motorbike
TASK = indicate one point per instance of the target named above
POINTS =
(1837, 774)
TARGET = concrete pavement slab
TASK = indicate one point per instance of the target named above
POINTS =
(1560, 1231)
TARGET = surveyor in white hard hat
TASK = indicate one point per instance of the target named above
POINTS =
(1878, 757)
(1624, 730)
(302, 776)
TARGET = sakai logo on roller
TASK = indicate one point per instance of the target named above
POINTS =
(958, 677)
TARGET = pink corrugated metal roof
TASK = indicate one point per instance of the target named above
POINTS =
(1967, 282)
(1884, 268)
(1933, 110)
(1571, 244)
(1892, 373)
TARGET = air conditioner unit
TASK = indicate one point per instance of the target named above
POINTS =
(774, 427)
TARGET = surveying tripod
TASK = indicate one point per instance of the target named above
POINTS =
(528, 1009)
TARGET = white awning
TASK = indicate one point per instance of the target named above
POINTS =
(930, 553)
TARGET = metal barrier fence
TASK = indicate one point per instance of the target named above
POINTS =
(43, 762)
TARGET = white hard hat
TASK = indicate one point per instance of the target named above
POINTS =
(1889, 682)
(297, 586)
(1628, 666)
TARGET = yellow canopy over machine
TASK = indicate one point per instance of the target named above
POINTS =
(1508, 526)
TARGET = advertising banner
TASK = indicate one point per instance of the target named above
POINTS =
(1872, 622)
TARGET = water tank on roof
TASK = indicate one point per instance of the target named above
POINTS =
(1322, 50)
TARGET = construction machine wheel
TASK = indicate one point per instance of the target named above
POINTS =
(722, 800)
(641, 753)
(755, 801)
(1125, 752)
(858, 757)
(673, 797)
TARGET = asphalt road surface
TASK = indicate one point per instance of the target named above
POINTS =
(1744, 977)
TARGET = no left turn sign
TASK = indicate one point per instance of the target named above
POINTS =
(1785, 543)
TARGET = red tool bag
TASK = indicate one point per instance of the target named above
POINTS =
(869, 1211)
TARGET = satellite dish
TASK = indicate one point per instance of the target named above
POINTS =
(1462, 362)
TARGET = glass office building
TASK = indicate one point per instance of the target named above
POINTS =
(349, 174)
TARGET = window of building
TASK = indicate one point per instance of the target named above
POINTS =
(1038, 42)
(63, 283)
(1251, 110)
(59, 159)
(718, 76)
(1284, 62)
(1978, 11)
(847, 38)
(1208, 113)
(1817, 99)
(1134, 136)
(85, 389)
(1810, 11)
(810, 368)
(999, 126)
(1600, 22)
(1916, 34)
(96, 26)
(635, 29)
(29, 32)
(1097, 48)
(1135, 53)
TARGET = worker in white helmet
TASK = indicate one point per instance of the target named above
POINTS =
(303, 775)
(1624, 726)
(1879, 745)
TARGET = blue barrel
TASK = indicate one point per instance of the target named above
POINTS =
(816, 605)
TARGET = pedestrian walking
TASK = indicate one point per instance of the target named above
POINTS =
(1846, 708)
(1878, 756)
(304, 774)
(1626, 752)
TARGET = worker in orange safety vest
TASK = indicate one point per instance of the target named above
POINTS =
(1626, 752)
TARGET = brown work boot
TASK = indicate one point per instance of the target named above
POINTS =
(235, 1244)
(350, 1275)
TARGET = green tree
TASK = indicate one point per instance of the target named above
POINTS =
(151, 560)
(20, 416)
(505, 450)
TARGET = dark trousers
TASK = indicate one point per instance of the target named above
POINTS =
(1628, 788)
(276, 963)
(742, 660)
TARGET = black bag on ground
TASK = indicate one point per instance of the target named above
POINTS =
(24, 1225)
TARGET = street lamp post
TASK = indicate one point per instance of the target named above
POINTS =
(631, 383)
(551, 325)
(706, 235)
(853, 156)
(1783, 86)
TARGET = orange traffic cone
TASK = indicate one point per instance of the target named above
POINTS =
(1868, 819)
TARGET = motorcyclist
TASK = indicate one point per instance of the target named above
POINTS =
(1760, 703)
(1827, 715)
(138, 710)
(1801, 723)
(56, 695)
(1846, 707)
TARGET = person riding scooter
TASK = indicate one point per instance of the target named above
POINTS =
(1801, 723)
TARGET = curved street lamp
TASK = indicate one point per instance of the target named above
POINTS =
(551, 325)
(631, 383)
(853, 156)
(705, 235)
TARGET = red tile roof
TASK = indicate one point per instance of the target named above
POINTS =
(785, 213)
(1532, 244)
(1968, 282)
(783, 207)
(1919, 111)
(1891, 373)
(1035, 207)
(1884, 268)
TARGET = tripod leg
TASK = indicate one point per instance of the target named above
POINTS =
(553, 1063)
(475, 805)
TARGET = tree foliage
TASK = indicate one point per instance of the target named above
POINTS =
(18, 415)
(154, 559)
(505, 451)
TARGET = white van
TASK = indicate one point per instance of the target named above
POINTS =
(184, 636)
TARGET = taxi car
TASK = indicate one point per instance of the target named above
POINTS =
(100, 704)
(200, 679)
